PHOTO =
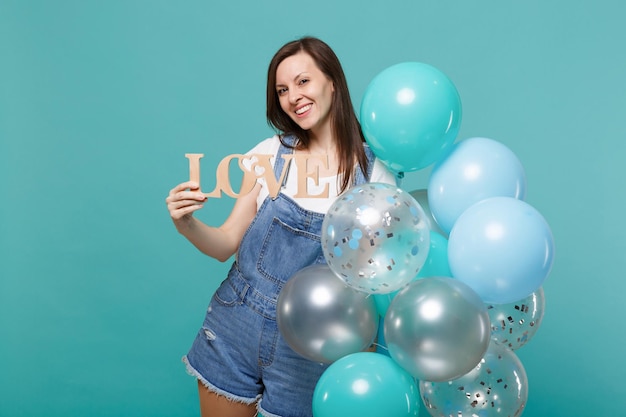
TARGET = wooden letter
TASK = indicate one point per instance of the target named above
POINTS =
(304, 174)
(221, 175)
(260, 166)
(223, 181)
(194, 166)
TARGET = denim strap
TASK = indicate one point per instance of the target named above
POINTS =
(283, 150)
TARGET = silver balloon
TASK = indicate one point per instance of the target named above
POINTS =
(375, 237)
(437, 328)
(421, 196)
(514, 324)
(322, 318)
(497, 386)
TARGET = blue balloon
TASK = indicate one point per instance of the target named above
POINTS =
(410, 115)
(366, 384)
(501, 247)
(476, 169)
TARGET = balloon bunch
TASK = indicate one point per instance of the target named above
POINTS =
(450, 277)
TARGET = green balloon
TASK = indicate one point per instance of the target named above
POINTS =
(410, 115)
(366, 384)
(436, 265)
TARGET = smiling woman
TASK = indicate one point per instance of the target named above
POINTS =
(275, 235)
(305, 95)
(98, 296)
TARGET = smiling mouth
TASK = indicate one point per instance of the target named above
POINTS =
(303, 109)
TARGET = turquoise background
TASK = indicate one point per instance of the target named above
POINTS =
(100, 100)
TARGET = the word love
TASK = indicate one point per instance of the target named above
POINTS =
(257, 166)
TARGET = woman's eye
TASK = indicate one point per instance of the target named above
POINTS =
(281, 91)
(303, 81)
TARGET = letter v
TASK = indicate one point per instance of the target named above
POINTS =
(263, 161)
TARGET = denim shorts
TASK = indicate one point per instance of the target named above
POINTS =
(240, 354)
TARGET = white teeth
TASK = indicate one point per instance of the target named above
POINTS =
(303, 109)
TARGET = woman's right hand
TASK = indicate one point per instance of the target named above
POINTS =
(217, 242)
(183, 200)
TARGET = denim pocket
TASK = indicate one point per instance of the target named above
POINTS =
(286, 250)
(226, 295)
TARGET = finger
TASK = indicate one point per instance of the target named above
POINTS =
(185, 195)
(178, 204)
(182, 212)
(188, 185)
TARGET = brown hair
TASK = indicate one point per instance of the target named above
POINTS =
(344, 123)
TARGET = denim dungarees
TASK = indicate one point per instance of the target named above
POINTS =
(239, 352)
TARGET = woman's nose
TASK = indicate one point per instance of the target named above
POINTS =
(294, 96)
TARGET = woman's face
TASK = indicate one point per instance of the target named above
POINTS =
(305, 93)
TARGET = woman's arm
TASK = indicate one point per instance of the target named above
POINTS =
(217, 242)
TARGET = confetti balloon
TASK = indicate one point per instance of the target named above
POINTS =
(421, 196)
(375, 237)
(436, 265)
(322, 318)
(514, 324)
(497, 386)
(437, 328)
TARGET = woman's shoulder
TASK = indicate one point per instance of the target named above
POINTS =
(380, 173)
(267, 146)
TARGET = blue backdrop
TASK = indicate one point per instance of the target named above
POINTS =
(99, 102)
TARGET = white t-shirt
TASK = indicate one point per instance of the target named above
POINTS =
(270, 146)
